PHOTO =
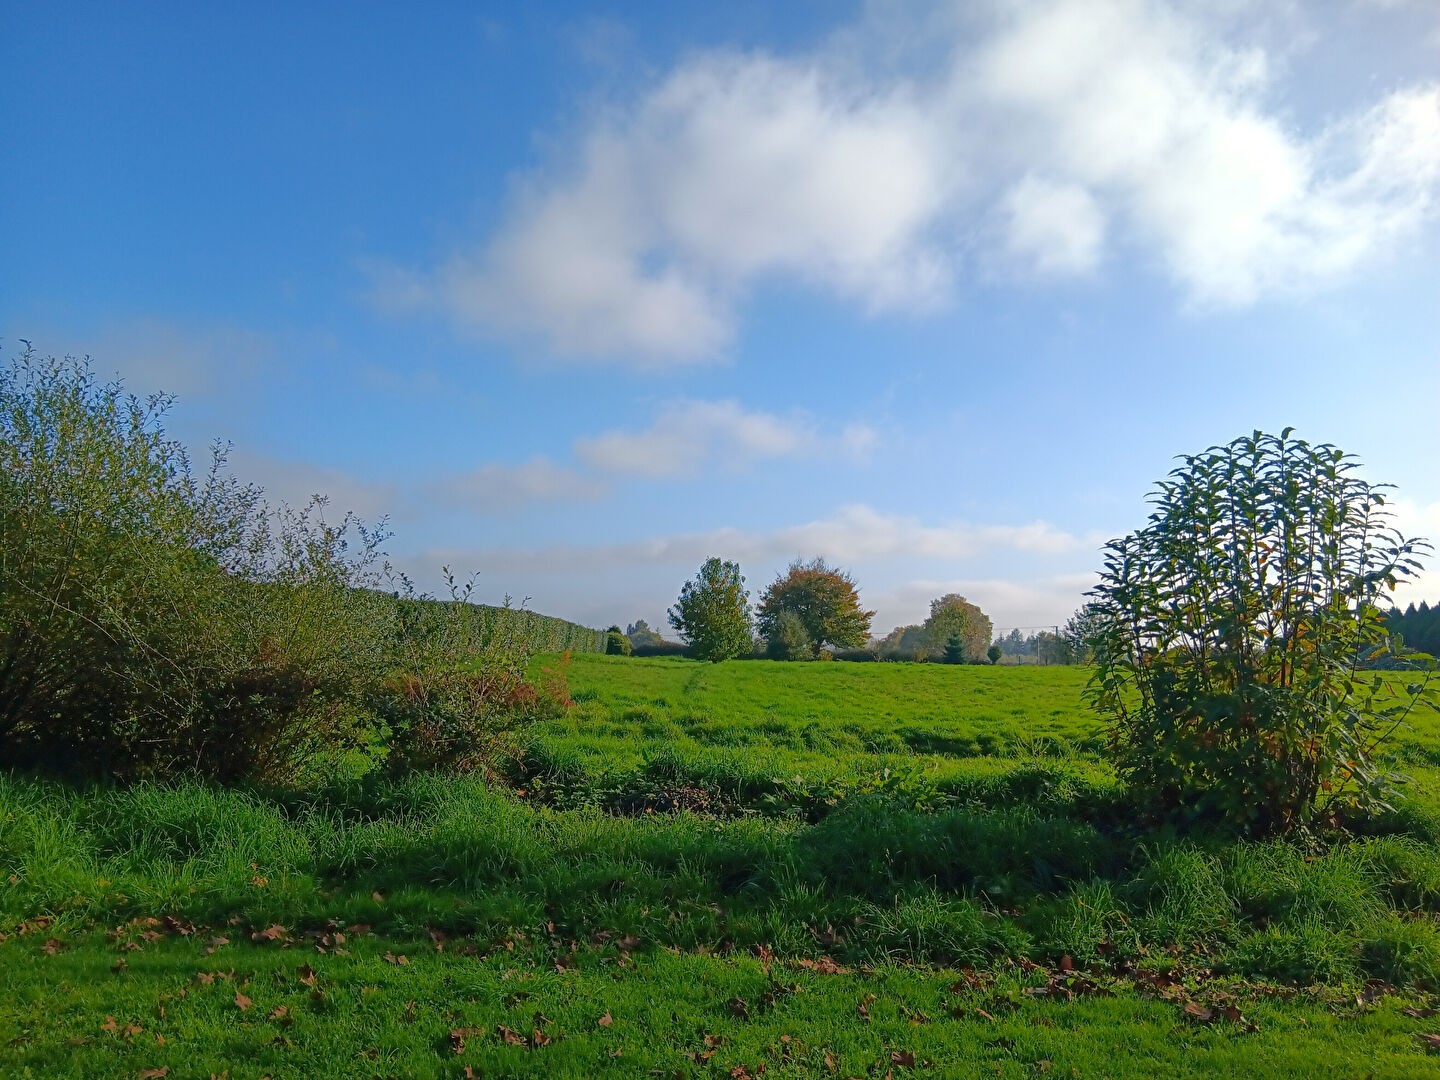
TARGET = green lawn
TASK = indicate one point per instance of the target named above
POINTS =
(946, 839)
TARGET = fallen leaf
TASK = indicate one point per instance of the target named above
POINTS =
(270, 933)
(1432, 1042)
(119, 965)
(904, 1058)
(1195, 1011)
(457, 1040)
(307, 975)
(242, 1002)
(281, 1015)
(512, 1038)
(738, 1008)
(378, 896)
(606, 1020)
(539, 1038)
(154, 1074)
(823, 966)
(52, 946)
(391, 958)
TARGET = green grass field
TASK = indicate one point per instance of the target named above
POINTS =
(821, 869)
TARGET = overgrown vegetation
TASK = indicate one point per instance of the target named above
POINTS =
(1234, 629)
(158, 620)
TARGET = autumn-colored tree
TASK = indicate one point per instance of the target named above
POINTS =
(952, 616)
(825, 601)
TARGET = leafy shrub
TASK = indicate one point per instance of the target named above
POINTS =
(154, 621)
(616, 643)
(1231, 630)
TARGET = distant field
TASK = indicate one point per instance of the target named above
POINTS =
(825, 869)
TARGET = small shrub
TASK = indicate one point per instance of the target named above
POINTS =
(1230, 632)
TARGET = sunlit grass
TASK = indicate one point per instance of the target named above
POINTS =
(806, 835)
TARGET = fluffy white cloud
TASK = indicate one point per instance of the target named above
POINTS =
(1054, 131)
(688, 435)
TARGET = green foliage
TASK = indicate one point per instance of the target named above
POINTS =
(993, 654)
(905, 643)
(1081, 634)
(823, 598)
(1231, 632)
(154, 621)
(713, 612)
(952, 616)
(694, 833)
(1418, 626)
(616, 643)
(788, 639)
(954, 650)
(151, 619)
(641, 636)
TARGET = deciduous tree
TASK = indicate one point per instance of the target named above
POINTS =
(825, 601)
(713, 612)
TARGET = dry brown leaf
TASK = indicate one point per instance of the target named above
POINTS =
(242, 1002)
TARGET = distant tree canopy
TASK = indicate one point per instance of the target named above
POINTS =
(641, 636)
(952, 616)
(1418, 627)
(825, 601)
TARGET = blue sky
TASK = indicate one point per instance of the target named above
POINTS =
(581, 294)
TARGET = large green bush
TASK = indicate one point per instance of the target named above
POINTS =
(156, 620)
(1231, 634)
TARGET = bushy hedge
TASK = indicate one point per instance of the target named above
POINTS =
(155, 620)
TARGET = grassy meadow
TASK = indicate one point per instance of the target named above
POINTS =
(744, 869)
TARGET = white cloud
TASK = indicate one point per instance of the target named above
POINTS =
(1030, 604)
(852, 534)
(690, 434)
(497, 487)
(1054, 229)
(1064, 129)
